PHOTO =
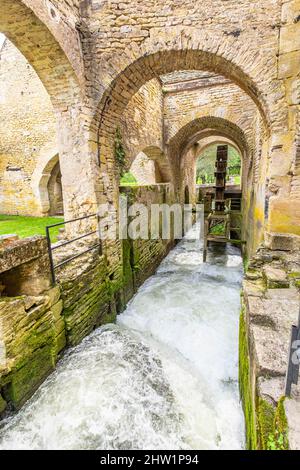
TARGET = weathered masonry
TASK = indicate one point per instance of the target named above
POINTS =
(93, 89)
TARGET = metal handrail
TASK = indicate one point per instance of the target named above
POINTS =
(51, 248)
(292, 375)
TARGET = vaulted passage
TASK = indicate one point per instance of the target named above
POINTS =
(148, 364)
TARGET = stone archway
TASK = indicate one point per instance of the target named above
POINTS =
(182, 145)
(163, 172)
(47, 185)
(208, 142)
(55, 194)
(190, 50)
(50, 42)
(152, 60)
(151, 166)
(143, 169)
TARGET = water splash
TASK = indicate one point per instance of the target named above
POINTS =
(164, 377)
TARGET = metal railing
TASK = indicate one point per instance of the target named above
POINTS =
(292, 376)
(52, 248)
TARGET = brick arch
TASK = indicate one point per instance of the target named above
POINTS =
(187, 49)
(189, 158)
(218, 140)
(20, 22)
(180, 148)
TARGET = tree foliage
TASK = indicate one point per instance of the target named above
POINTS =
(206, 164)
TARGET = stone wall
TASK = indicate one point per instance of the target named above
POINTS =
(284, 172)
(27, 132)
(32, 328)
(103, 53)
(142, 257)
(270, 308)
(216, 98)
(142, 123)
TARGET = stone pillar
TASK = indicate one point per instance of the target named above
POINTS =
(284, 165)
(76, 165)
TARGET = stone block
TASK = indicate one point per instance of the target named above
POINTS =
(271, 315)
(271, 388)
(21, 252)
(54, 295)
(56, 310)
(281, 241)
(289, 38)
(275, 278)
(289, 64)
(284, 216)
(290, 11)
(24, 381)
(6, 240)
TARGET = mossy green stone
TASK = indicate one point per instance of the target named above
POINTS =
(245, 386)
(3, 405)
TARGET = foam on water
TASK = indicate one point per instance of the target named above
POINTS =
(164, 377)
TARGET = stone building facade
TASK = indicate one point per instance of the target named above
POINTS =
(103, 52)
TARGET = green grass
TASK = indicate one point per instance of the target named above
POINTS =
(28, 226)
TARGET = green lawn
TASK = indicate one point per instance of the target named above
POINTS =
(28, 226)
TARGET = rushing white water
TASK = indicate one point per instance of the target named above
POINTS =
(164, 377)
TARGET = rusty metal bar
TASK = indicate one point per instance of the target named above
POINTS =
(51, 248)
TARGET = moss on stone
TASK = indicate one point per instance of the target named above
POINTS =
(278, 284)
(281, 425)
(3, 405)
(294, 275)
(24, 381)
(246, 263)
(273, 426)
(266, 424)
(265, 420)
(245, 385)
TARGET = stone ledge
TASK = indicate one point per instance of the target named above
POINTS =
(271, 316)
(21, 252)
(282, 241)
